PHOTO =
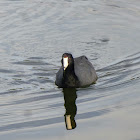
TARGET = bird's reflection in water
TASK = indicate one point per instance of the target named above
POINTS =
(70, 106)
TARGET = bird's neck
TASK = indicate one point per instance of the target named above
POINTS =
(69, 77)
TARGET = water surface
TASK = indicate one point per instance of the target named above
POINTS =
(35, 34)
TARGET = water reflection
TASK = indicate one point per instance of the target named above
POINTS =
(70, 106)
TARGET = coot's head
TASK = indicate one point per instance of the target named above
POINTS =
(67, 60)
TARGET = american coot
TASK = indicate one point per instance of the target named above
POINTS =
(75, 72)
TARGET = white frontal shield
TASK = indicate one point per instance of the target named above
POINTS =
(65, 62)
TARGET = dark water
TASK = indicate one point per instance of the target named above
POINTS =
(33, 36)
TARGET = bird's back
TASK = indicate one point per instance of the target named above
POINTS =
(85, 71)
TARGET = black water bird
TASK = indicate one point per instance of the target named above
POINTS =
(75, 72)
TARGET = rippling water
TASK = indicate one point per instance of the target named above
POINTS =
(33, 36)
